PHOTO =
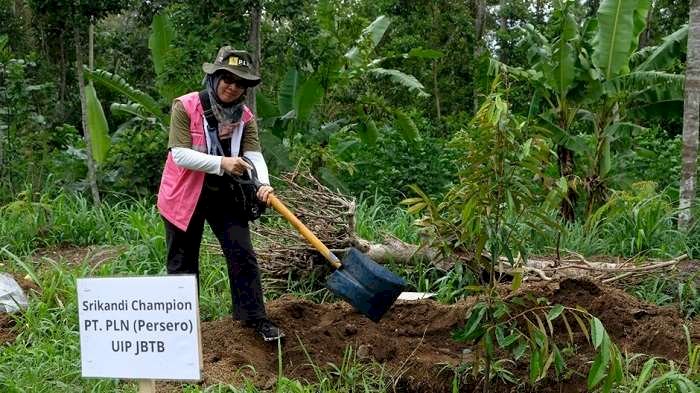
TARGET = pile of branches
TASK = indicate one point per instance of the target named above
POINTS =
(282, 251)
(576, 265)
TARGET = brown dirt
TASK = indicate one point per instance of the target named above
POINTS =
(76, 255)
(27, 285)
(412, 337)
(7, 334)
(635, 326)
(413, 341)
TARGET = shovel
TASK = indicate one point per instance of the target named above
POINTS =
(368, 286)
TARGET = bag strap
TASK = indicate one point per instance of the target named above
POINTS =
(214, 123)
(208, 112)
(253, 175)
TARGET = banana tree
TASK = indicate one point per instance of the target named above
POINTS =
(293, 122)
(593, 86)
(628, 92)
(140, 105)
(557, 71)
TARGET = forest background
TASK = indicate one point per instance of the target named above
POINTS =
(373, 123)
(386, 101)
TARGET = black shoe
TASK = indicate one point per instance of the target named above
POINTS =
(264, 327)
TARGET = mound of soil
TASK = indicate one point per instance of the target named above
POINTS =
(634, 325)
(413, 338)
(413, 341)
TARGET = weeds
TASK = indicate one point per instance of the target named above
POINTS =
(350, 376)
(47, 342)
(663, 291)
(376, 218)
(655, 376)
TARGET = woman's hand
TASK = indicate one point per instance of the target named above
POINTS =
(264, 193)
(234, 165)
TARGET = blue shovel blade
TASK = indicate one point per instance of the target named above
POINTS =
(368, 286)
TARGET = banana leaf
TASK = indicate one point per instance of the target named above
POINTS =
(615, 35)
(288, 91)
(162, 34)
(97, 125)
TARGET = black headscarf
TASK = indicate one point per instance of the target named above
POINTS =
(224, 112)
(227, 114)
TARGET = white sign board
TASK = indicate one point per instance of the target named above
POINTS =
(139, 327)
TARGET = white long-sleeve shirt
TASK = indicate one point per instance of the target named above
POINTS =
(198, 161)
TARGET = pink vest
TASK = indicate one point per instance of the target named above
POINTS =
(180, 187)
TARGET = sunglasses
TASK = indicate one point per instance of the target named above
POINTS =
(230, 79)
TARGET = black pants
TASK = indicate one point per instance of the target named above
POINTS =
(218, 209)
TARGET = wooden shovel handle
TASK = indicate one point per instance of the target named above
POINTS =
(308, 235)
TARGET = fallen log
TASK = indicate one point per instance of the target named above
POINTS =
(284, 254)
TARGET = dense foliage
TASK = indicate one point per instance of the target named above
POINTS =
(419, 39)
(507, 128)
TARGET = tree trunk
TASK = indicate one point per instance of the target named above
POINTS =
(91, 47)
(436, 92)
(397, 251)
(92, 173)
(593, 6)
(566, 170)
(503, 22)
(479, 15)
(254, 44)
(4, 102)
(645, 38)
(435, 43)
(691, 120)
(61, 107)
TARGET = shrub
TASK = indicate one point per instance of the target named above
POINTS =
(135, 162)
(393, 164)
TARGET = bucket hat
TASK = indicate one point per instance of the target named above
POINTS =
(237, 62)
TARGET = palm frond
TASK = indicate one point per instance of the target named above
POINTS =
(401, 78)
(670, 49)
(117, 84)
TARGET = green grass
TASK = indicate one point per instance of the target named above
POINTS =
(631, 224)
(682, 292)
(45, 356)
(376, 218)
(655, 376)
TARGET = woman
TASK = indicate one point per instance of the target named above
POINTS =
(194, 187)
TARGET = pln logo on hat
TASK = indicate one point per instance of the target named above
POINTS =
(237, 62)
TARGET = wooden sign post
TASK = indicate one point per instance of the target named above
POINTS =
(147, 386)
(141, 328)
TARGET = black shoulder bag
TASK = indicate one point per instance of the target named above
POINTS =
(244, 187)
